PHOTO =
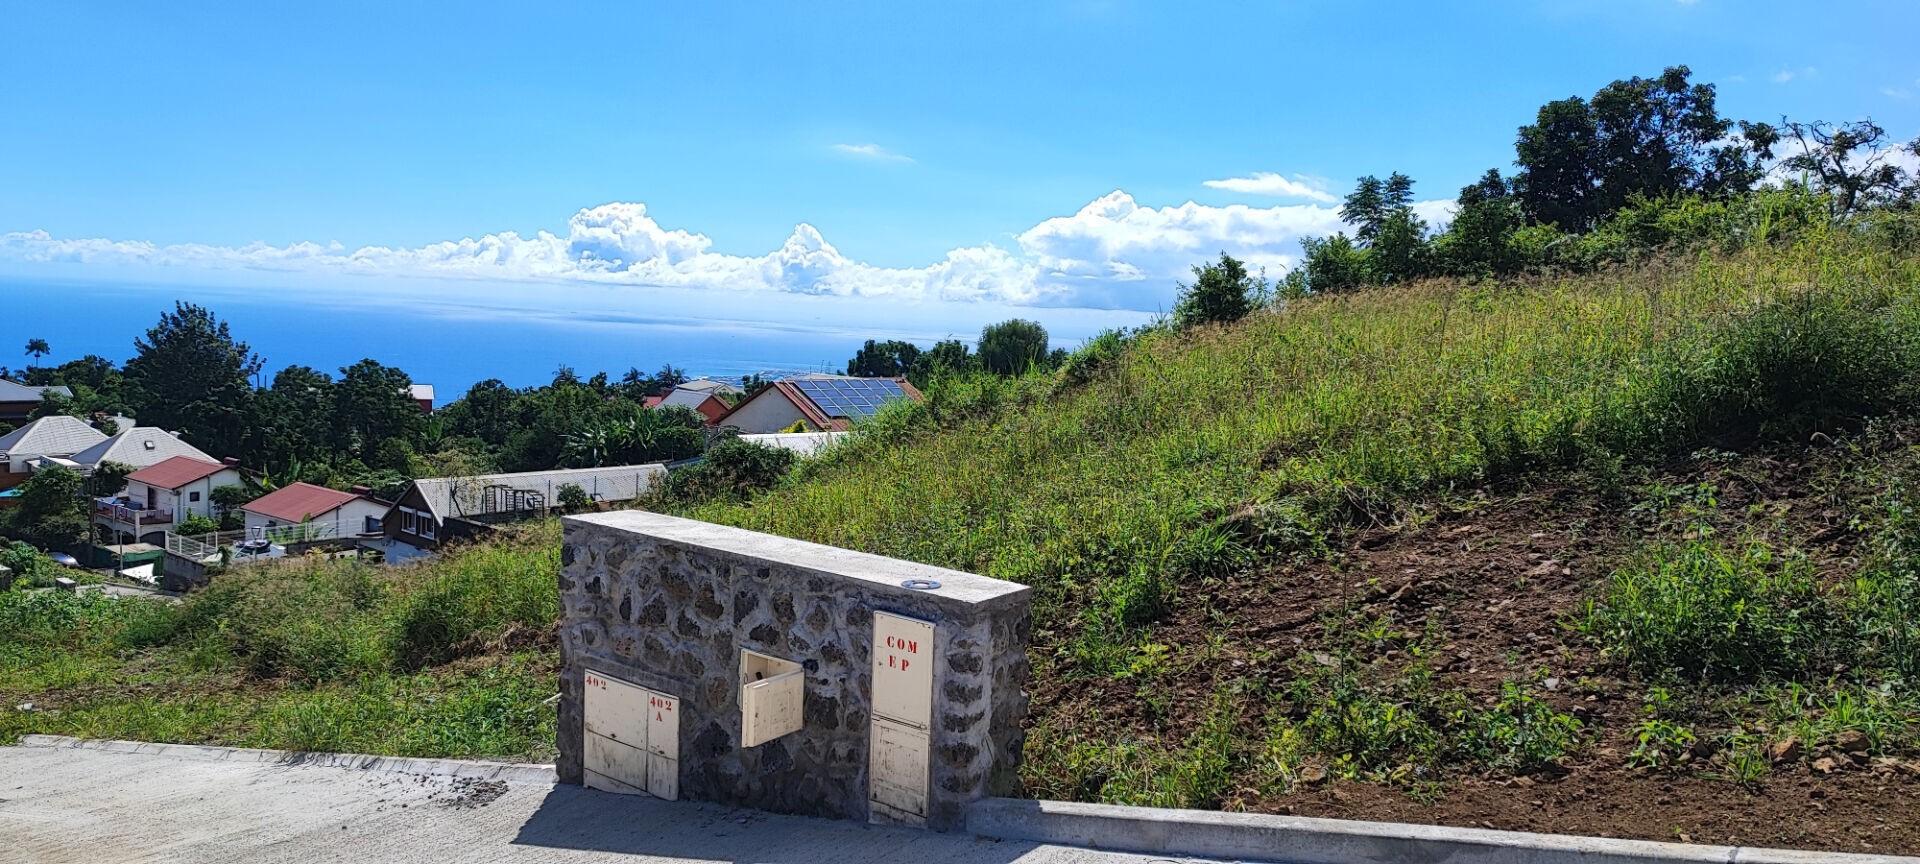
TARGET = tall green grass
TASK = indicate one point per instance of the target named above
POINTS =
(1110, 485)
(452, 658)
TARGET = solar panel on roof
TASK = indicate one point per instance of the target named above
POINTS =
(851, 398)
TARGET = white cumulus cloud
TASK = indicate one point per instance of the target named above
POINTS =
(1112, 253)
(1268, 183)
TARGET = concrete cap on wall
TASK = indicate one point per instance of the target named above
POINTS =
(957, 589)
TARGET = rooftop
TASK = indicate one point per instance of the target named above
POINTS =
(176, 472)
(58, 435)
(140, 447)
(14, 391)
(299, 502)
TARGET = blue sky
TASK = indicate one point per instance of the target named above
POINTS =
(962, 156)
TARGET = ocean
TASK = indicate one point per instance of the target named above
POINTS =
(520, 334)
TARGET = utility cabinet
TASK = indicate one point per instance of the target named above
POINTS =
(772, 698)
(632, 737)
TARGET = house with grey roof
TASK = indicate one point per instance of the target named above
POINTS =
(48, 440)
(139, 447)
(18, 401)
(435, 510)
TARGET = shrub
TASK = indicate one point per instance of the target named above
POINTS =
(733, 470)
(1221, 293)
(572, 497)
(196, 525)
(1703, 612)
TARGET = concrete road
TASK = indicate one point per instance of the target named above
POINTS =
(98, 803)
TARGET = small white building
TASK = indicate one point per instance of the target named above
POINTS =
(303, 511)
(161, 496)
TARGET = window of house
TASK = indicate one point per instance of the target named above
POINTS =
(409, 521)
(426, 526)
(194, 497)
(373, 525)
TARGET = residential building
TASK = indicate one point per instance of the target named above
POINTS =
(819, 403)
(437, 509)
(138, 446)
(18, 401)
(159, 496)
(302, 512)
(422, 395)
(48, 440)
(705, 402)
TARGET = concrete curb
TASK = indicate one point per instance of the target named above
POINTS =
(1301, 840)
(479, 770)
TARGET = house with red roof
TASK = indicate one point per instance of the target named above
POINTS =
(161, 495)
(302, 511)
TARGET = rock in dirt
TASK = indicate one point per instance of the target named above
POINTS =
(1823, 765)
(1313, 775)
(1785, 751)
(1851, 741)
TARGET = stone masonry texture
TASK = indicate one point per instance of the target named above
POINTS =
(669, 604)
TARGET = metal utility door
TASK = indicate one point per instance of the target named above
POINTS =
(902, 719)
(632, 738)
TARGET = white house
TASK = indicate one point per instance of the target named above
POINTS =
(161, 496)
(303, 511)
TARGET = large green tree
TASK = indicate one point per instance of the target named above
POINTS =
(1013, 346)
(884, 359)
(371, 407)
(190, 375)
(1581, 160)
(296, 419)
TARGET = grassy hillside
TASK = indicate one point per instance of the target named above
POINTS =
(1195, 454)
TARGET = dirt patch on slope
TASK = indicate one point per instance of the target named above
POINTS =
(1487, 588)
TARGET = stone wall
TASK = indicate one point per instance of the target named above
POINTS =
(668, 604)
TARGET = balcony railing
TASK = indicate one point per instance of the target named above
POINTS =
(119, 510)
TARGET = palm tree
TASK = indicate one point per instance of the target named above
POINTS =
(37, 348)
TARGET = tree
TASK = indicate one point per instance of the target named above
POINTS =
(191, 376)
(1399, 252)
(946, 357)
(1373, 202)
(37, 348)
(1852, 163)
(1641, 137)
(371, 406)
(227, 501)
(1013, 346)
(1221, 292)
(887, 359)
(296, 418)
(108, 478)
(1479, 242)
(487, 412)
(1332, 264)
(751, 384)
(49, 513)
